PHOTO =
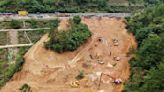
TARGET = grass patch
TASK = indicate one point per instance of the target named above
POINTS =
(8, 70)
(80, 75)
(3, 38)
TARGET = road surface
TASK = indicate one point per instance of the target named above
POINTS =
(50, 16)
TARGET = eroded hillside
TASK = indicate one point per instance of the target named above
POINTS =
(105, 52)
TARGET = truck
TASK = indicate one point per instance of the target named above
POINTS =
(22, 13)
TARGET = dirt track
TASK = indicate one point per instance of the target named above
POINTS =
(46, 71)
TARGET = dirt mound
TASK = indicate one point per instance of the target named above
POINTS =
(105, 52)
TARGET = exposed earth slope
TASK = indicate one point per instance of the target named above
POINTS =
(47, 71)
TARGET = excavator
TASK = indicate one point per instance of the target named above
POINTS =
(115, 80)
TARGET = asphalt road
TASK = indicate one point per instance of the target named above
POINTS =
(50, 16)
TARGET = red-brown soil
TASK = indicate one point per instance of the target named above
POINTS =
(47, 71)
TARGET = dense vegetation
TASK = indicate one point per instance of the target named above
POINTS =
(69, 40)
(37, 34)
(15, 24)
(146, 2)
(147, 72)
(3, 37)
(52, 6)
(7, 67)
(33, 35)
(7, 70)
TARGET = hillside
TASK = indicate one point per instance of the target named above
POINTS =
(82, 46)
(147, 65)
(48, 71)
(71, 6)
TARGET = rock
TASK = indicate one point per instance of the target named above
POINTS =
(100, 62)
(85, 65)
(92, 77)
(101, 91)
(109, 65)
(115, 40)
(100, 39)
(116, 44)
(95, 76)
(116, 58)
(98, 74)
(91, 56)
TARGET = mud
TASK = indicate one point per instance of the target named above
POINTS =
(47, 71)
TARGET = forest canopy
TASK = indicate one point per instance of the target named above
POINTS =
(147, 66)
(51, 6)
(69, 40)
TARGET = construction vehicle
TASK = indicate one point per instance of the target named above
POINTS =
(75, 84)
(116, 81)
(22, 13)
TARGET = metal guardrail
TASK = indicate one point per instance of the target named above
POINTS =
(19, 45)
(6, 30)
(15, 46)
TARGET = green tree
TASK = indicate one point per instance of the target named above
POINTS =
(68, 40)
(147, 65)
(76, 19)
(153, 82)
(150, 52)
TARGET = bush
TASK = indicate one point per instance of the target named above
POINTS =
(54, 23)
(76, 19)
(80, 75)
(15, 24)
(33, 23)
(11, 69)
(25, 88)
